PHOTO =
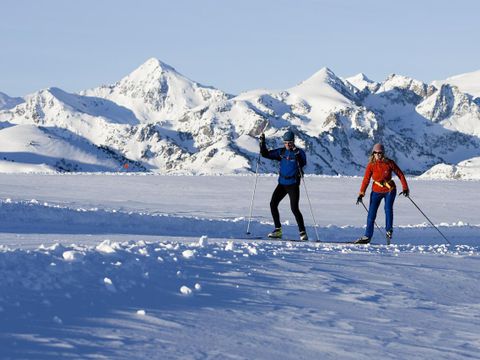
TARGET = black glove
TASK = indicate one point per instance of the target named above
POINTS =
(405, 193)
(262, 140)
(359, 198)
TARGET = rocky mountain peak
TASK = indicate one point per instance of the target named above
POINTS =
(157, 89)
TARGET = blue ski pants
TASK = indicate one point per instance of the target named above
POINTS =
(375, 199)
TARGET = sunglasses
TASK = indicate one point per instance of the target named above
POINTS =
(378, 152)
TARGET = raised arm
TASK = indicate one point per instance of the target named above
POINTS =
(269, 154)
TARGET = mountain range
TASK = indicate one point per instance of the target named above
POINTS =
(156, 119)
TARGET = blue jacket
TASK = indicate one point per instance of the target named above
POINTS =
(291, 163)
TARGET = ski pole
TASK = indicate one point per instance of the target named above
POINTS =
(254, 188)
(311, 209)
(253, 196)
(308, 198)
(378, 227)
(426, 217)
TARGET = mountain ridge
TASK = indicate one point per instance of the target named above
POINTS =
(164, 122)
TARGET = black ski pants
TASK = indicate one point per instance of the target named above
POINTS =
(279, 193)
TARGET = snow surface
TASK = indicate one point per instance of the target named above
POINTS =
(468, 169)
(27, 148)
(142, 266)
(468, 82)
(360, 81)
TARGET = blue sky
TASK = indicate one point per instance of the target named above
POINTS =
(233, 45)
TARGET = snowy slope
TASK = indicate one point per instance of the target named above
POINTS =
(361, 82)
(452, 109)
(130, 269)
(8, 167)
(26, 148)
(467, 83)
(468, 169)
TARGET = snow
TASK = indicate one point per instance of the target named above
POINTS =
(28, 148)
(168, 93)
(360, 81)
(135, 266)
(15, 167)
(468, 82)
(318, 96)
(467, 170)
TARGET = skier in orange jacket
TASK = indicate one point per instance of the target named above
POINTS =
(380, 169)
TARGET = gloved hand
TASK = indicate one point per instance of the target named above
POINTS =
(405, 193)
(262, 139)
(359, 198)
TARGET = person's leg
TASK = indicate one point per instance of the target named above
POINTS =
(389, 200)
(278, 194)
(294, 195)
(375, 199)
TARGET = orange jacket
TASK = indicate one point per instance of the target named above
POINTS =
(381, 173)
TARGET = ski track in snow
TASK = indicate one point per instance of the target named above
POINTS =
(116, 282)
(32, 217)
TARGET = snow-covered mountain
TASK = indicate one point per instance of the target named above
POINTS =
(465, 170)
(159, 120)
(361, 82)
(467, 83)
(156, 92)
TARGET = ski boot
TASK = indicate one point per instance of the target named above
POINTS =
(362, 240)
(275, 234)
(303, 236)
(389, 235)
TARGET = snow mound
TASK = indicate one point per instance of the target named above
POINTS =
(464, 170)
(25, 217)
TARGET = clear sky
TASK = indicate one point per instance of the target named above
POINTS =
(233, 45)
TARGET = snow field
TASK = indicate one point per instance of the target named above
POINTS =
(123, 267)
(323, 298)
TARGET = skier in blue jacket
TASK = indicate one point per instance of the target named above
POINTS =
(292, 160)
